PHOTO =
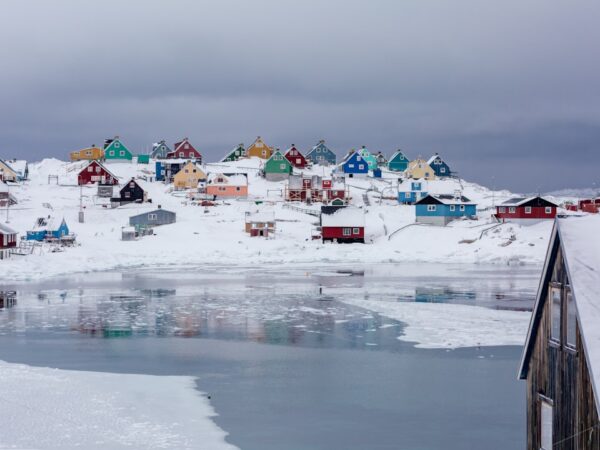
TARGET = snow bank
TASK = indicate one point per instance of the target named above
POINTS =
(50, 408)
(440, 325)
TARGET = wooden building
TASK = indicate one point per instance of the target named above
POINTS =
(316, 189)
(353, 165)
(259, 149)
(444, 208)
(322, 155)
(344, 224)
(115, 150)
(188, 177)
(132, 192)
(368, 157)
(526, 210)
(419, 169)
(153, 218)
(87, 154)
(278, 167)
(234, 154)
(439, 166)
(95, 172)
(7, 173)
(185, 150)
(260, 224)
(160, 150)
(561, 358)
(8, 241)
(219, 185)
(295, 157)
(6, 198)
(398, 162)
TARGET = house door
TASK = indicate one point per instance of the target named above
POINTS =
(261, 233)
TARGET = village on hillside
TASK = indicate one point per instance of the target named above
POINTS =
(296, 205)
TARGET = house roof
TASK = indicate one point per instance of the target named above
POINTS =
(260, 216)
(580, 243)
(232, 180)
(322, 145)
(155, 211)
(433, 158)
(528, 201)
(5, 229)
(5, 164)
(445, 199)
(101, 165)
(343, 217)
(18, 165)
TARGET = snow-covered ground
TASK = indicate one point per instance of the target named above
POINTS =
(51, 408)
(217, 236)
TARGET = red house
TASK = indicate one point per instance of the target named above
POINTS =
(295, 158)
(8, 240)
(342, 224)
(95, 172)
(526, 210)
(315, 189)
(185, 150)
(589, 205)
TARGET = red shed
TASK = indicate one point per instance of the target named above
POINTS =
(342, 224)
(526, 210)
(95, 172)
(8, 240)
(295, 158)
(184, 149)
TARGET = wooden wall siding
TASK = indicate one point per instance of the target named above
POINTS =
(561, 375)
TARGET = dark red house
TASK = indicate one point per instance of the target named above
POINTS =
(8, 240)
(342, 224)
(526, 210)
(95, 172)
(590, 205)
(295, 158)
(185, 150)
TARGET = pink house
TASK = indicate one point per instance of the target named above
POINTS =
(227, 185)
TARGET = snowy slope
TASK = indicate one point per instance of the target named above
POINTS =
(217, 236)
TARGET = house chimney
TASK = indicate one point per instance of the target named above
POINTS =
(159, 206)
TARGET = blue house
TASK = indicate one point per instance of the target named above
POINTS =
(160, 150)
(167, 169)
(443, 209)
(398, 162)
(321, 154)
(44, 229)
(412, 196)
(438, 165)
(354, 165)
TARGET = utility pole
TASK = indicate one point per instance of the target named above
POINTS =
(7, 201)
(81, 217)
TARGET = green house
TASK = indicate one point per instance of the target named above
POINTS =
(238, 152)
(368, 157)
(398, 162)
(277, 167)
(114, 149)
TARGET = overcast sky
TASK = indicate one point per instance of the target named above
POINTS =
(507, 91)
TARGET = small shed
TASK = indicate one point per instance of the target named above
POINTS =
(105, 190)
(344, 224)
(153, 218)
(44, 228)
(8, 240)
(260, 224)
(128, 234)
(143, 159)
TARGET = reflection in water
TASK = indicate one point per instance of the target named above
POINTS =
(8, 299)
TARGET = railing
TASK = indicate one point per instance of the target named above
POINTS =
(312, 212)
(403, 228)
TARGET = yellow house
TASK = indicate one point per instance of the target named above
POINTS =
(7, 173)
(259, 149)
(188, 177)
(419, 169)
(87, 154)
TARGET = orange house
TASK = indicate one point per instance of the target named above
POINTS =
(87, 154)
(259, 149)
(227, 186)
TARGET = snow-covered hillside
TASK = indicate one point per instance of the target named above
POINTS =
(216, 236)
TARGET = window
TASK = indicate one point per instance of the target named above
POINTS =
(462, 207)
(282, 166)
(238, 188)
(548, 210)
(111, 153)
(361, 166)
(555, 292)
(512, 210)
(501, 209)
(298, 161)
(431, 207)
(528, 210)
(442, 170)
(546, 425)
(355, 231)
(351, 166)
(127, 194)
(117, 145)
(122, 153)
(152, 216)
(181, 154)
(186, 146)
(98, 169)
(347, 231)
(90, 169)
(571, 333)
(452, 208)
(88, 153)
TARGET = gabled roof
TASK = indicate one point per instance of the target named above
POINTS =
(396, 153)
(433, 158)
(236, 179)
(132, 180)
(293, 147)
(19, 165)
(528, 201)
(4, 163)
(5, 229)
(321, 144)
(237, 147)
(445, 199)
(180, 143)
(348, 156)
(94, 162)
(579, 240)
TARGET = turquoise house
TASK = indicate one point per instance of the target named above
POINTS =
(443, 209)
(368, 157)
(412, 196)
(398, 162)
(115, 150)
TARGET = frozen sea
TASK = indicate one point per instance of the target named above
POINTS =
(286, 363)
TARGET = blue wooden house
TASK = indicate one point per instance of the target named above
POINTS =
(167, 169)
(398, 162)
(160, 150)
(412, 196)
(45, 229)
(354, 165)
(439, 166)
(321, 154)
(443, 209)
